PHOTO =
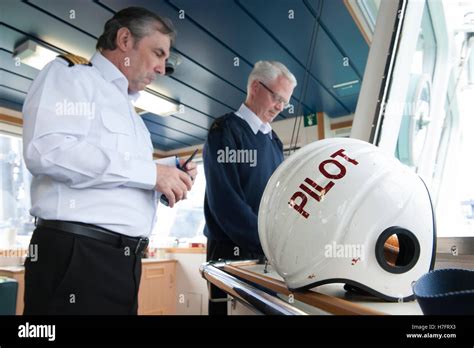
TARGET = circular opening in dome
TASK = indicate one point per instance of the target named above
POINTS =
(397, 250)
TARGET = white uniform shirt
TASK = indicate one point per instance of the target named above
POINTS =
(253, 120)
(89, 152)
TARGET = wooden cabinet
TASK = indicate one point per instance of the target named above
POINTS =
(191, 287)
(157, 294)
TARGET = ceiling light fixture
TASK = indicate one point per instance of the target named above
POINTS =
(347, 88)
(151, 102)
(34, 54)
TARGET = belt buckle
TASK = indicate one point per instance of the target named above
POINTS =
(141, 245)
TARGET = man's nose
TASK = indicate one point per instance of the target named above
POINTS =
(160, 68)
(279, 106)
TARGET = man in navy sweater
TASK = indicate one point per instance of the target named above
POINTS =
(241, 153)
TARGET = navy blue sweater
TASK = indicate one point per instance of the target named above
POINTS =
(236, 179)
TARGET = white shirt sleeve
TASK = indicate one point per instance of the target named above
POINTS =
(60, 146)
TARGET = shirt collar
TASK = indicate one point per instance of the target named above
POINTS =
(112, 74)
(253, 120)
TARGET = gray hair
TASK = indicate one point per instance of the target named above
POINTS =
(139, 21)
(267, 71)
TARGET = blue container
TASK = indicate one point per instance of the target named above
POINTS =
(446, 292)
(8, 291)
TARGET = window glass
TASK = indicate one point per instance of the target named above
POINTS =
(446, 164)
(416, 113)
(16, 224)
(369, 9)
(184, 223)
(454, 168)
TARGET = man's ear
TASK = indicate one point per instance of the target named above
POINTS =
(254, 86)
(124, 40)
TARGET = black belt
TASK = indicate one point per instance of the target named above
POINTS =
(137, 244)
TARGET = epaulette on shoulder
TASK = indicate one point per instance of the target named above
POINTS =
(220, 122)
(217, 123)
(75, 60)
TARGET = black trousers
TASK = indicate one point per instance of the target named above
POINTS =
(228, 251)
(75, 275)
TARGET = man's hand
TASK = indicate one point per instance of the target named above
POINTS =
(191, 169)
(173, 183)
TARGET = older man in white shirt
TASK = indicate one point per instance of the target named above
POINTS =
(95, 184)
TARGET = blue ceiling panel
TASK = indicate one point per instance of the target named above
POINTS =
(329, 65)
(189, 97)
(350, 101)
(284, 20)
(165, 143)
(315, 6)
(158, 143)
(338, 23)
(318, 99)
(209, 84)
(194, 42)
(9, 64)
(283, 24)
(16, 82)
(86, 15)
(194, 118)
(48, 29)
(10, 94)
(241, 33)
(7, 37)
(8, 103)
(179, 125)
(249, 36)
(158, 130)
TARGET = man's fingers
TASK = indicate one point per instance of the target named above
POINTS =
(171, 197)
(179, 196)
(174, 183)
(191, 169)
(182, 185)
(184, 176)
(190, 166)
(180, 190)
(192, 173)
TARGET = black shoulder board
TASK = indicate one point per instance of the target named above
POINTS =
(75, 60)
(217, 123)
(221, 121)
